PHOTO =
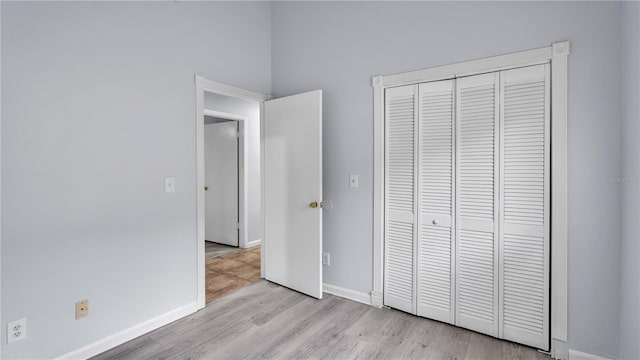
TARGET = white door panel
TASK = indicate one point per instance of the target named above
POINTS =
(477, 168)
(400, 172)
(292, 132)
(221, 181)
(524, 271)
(435, 193)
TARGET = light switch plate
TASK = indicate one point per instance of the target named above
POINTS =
(353, 181)
(169, 184)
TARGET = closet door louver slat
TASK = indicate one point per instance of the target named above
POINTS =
(436, 175)
(524, 225)
(477, 169)
(400, 172)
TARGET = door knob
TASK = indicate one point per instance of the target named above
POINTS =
(435, 221)
(315, 204)
(206, 188)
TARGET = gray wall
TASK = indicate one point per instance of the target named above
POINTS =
(630, 270)
(338, 46)
(98, 107)
(250, 109)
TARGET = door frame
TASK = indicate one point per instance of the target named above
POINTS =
(205, 85)
(556, 55)
(242, 165)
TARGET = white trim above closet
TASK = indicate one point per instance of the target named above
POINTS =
(519, 220)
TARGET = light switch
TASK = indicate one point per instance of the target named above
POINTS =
(170, 184)
(353, 181)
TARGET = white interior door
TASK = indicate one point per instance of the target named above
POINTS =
(221, 181)
(292, 131)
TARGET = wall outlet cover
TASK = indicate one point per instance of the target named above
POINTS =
(82, 309)
(16, 331)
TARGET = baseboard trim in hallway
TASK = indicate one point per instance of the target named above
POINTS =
(347, 293)
(253, 243)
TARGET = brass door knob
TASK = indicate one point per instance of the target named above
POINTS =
(313, 204)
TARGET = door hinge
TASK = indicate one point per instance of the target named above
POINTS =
(238, 226)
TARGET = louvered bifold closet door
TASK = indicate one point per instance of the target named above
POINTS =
(435, 193)
(524, 225)
(400, 174)
(477, 198)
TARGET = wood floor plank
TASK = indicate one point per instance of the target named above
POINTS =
(419, 336)
(240, 300)
(195, 343)
(348, 347)
(178, 337)
(323, 334)
(451, 343)
(514, 351)
(266, 336)
(267, 321)
(294, 334)
(138, 348)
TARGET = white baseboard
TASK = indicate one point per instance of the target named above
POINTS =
(133, 332)
(579, 355)
(559, 349)
(253, 243)
(347, 293)
(376, 299)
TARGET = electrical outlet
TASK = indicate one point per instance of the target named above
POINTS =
(326, 259)
(82, 309)
(16, 330)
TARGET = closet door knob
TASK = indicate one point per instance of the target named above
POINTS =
(435, 221)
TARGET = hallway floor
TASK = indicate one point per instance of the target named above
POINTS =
(231, 271)
(213, 249)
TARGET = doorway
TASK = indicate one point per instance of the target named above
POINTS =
(283, 144)
(222, 175)
(231, 224)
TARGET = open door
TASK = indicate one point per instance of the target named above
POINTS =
(293, 192)
(221, 182)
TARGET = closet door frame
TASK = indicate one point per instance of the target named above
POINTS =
(556, 55)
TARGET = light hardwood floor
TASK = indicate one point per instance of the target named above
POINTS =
(267, 321)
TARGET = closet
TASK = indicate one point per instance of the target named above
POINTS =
(467, 196)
